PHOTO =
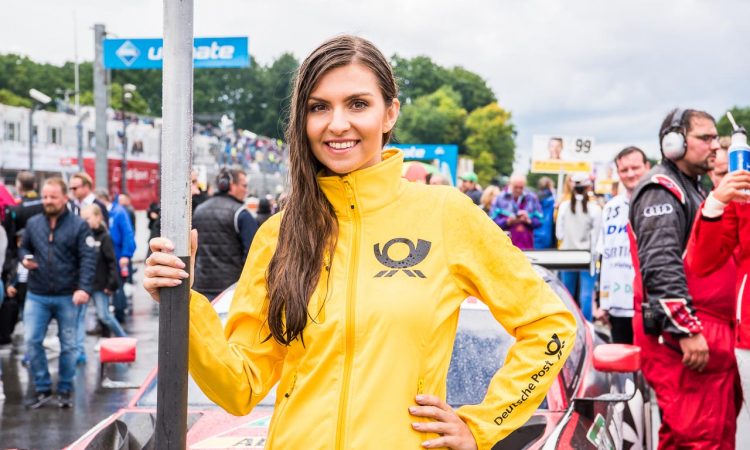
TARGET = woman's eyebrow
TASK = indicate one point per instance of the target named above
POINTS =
(350, 97)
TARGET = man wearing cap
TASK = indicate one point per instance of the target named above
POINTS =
(469, 187)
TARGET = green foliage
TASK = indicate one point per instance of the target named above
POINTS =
(741, 116)
(490, 133)
(473, 89)
(257, 97)
(439, 104)
(433, 118)
(9, 98)
(420, 76)
(136, 105)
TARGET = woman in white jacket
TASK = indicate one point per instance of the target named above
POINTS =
(578, 225)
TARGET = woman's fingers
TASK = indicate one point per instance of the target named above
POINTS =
(165, 272)
(160, 244)
(452, 430)
(164, 259)
(193, 243)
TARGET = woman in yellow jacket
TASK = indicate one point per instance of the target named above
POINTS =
(349, 298)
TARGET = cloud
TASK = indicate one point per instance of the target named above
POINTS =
(606, 69)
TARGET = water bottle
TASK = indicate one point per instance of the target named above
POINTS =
(739, 152)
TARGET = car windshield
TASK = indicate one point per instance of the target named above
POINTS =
(478, 352)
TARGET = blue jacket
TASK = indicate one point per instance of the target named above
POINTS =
(121, 232)
(544, 235)
(65, 255)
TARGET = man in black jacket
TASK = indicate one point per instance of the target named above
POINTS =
(58, 250)
(225, 230)
(674, 323)
(15, 221)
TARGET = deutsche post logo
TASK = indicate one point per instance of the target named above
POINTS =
(417, 254)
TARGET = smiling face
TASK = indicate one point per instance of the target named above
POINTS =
(347, 117)
(630, 169)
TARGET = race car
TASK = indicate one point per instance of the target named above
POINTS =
(598, 401)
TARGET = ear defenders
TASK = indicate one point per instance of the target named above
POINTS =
(224, 180)
(673, 144)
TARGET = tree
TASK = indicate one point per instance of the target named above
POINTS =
(490, 141)
(437, 118)
(473, 89)
(741, 116)
(9, 98)
(420, 76)
(417, 77)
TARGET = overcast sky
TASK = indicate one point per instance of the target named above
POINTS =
(607, 69)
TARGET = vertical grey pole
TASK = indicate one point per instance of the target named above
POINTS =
(100, 104)
(31, 137)
(177, 139)
(124, 160)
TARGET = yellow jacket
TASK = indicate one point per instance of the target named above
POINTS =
(383, 323)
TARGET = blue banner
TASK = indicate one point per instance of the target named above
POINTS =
(126, 54)
(445, 154)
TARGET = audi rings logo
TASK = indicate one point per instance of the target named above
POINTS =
(417, 254)
(658, 210)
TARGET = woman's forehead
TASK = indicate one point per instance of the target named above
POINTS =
(346, 81)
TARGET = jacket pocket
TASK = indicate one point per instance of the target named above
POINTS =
(424, 436)
(282, 399)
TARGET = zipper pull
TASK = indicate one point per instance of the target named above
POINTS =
(349, 193)
(291, 388)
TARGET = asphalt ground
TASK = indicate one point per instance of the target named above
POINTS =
(50, 427)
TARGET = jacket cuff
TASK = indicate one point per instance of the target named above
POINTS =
(712, 208)
(680, 320)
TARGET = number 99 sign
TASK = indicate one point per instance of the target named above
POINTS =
(560, 153)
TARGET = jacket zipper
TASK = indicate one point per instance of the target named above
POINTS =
(50, 254)
(349, 323)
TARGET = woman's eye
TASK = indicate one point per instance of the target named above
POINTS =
(317, 107)
(359, 104)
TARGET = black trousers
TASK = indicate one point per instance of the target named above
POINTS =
(622, 329)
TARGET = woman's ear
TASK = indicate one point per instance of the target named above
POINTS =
(391, 115)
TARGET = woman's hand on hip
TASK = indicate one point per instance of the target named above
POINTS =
(163, 269)
(454, 433)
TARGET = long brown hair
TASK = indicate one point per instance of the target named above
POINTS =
(308, 225)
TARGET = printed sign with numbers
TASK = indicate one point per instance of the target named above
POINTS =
(553, 154)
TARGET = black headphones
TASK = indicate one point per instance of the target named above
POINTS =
(673, 144)
(224, 180)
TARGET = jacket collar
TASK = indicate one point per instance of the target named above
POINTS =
(368, 189)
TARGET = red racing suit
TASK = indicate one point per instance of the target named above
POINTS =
(713, 242)
(699, 409)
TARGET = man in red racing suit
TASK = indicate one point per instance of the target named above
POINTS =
(683, 323)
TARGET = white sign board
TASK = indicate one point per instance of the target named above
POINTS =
(554, 154)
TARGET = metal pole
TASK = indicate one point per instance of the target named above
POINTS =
(100, 103)
(124, 160)
(79, 136)
(177, 135)
(31, 137)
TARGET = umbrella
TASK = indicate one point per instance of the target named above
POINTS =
(417, 170)
(5, 200)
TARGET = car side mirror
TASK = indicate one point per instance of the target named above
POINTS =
(612, 358)
(116, 350)
(621, 358)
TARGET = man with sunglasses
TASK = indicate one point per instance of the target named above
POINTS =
(683, 323)
(82, 194)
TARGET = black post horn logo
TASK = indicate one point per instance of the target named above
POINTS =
(417, 254)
